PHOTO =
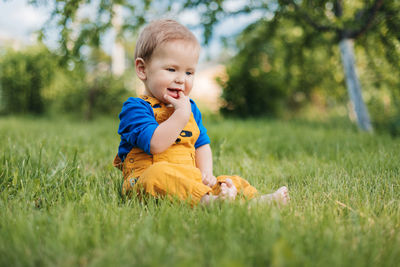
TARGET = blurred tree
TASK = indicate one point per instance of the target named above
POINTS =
(82, 24)
(311, 26)
(330, 21)
(88, 89)
(23, 76)
(277, 67)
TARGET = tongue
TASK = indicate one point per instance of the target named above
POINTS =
(174, 93)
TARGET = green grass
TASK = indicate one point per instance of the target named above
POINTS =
(60, 206)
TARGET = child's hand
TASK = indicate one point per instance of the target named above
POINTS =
(181, 104)
(228, 190)
(209, 179)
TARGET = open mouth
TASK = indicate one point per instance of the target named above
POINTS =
(174, 92)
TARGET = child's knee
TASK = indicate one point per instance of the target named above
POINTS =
(153, 173)
(157, 168)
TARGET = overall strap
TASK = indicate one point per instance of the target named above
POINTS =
(161, 111)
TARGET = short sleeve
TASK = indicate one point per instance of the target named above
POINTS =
(136, 127)
(203, 137)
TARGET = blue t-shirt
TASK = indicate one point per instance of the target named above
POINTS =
(137, 125)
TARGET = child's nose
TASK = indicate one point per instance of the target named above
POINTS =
(180, 78)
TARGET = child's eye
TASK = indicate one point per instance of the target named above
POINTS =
(189, 73)
(171, 69)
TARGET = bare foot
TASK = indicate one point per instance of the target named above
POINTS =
(228, 192)
(280, 196)
(207, 199)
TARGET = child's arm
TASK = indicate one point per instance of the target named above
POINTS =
(167, 132)
(205, 164)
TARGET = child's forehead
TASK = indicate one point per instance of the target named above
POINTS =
(176, 46)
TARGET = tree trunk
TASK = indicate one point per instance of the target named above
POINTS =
(353, 85)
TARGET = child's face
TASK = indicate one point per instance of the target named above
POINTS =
(170, 69)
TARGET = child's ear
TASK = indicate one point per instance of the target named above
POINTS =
(140, 66)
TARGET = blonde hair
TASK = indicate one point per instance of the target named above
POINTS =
(158, 32)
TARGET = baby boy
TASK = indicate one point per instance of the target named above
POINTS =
(165, 150)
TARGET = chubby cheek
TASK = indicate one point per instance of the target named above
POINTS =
(165, 81)
(188, 86)
(161, 84)
(188, 89)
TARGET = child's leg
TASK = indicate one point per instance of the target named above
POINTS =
(227, 192)
(243, 187)
(281, 196)
(172, 180)
(246, 190)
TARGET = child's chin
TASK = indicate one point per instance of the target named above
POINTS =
(165, 101)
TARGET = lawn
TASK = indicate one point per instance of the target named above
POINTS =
(60, 202)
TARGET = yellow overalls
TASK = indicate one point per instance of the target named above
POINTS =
(172, 173)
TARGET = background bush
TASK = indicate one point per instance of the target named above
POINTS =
(78, 93)
(23, 76)
(34, 81)
(283, 69)
(279, 70)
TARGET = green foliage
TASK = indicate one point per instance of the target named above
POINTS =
(60, 206)
(23, 76)
(33, 82)
(378, 55)
(281, 68)
(286, 60)
(290, 59)
(77, 31)
(251, 93)
(88, 96)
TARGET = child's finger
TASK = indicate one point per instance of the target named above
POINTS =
(212, 180)
(170, 99)
(229, 182)
(181, 94)
(224, 191)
